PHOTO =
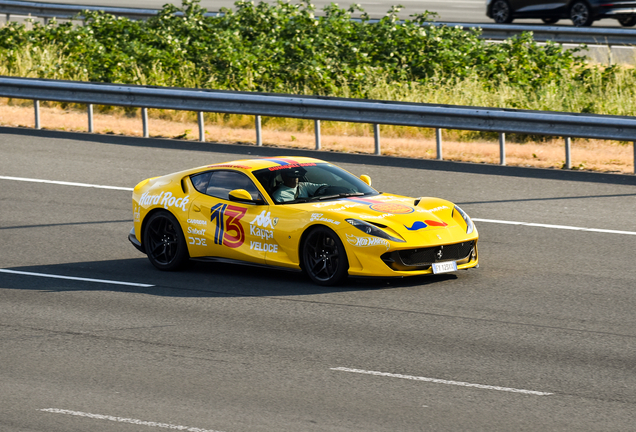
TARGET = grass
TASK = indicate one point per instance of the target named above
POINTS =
(594, 155)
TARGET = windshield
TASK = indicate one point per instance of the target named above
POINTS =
(310, 182)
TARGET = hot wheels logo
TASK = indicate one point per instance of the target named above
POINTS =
(367, 241)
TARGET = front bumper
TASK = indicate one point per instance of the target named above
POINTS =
(133, 239)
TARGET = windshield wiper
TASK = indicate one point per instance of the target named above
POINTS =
(340, 195)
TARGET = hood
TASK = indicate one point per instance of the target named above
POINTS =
(429, 221)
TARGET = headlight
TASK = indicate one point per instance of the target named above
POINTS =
(373, 230)
(470, 227)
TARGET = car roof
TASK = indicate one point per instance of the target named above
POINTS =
(269, 162)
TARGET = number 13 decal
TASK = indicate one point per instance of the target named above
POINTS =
(232, 234)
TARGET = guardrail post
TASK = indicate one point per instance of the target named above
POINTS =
(502, 148)
(36, 108)
(257, 123)
(90, 117)
(317, 133)
(144, 120)
(376, 138)
(8, 18)
(568, 157)
(438, 142)
(201, 126)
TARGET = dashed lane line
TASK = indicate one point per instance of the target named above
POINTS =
(562, 227)
(105, 281)
(442, 381)
(126, 420)
(63, 183)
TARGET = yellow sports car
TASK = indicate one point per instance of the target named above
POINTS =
(301, 214)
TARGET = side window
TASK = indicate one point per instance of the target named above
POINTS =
(200, 181)
(223, 182)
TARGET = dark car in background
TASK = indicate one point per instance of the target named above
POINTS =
(582, 12)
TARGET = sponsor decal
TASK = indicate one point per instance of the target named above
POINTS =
(343, 207)
(230, 233)
(392, 208)
(418, 225)
(367, 241)
(264, 220)
(196, 231)
(318, 217)
(438, 208)
(197, 222)
(166, 199)
(229, 166)
(197, 241)
(291, 165)
(261, 232)
(137, 213)
(264, 247)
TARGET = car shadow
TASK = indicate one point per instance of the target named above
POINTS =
(198, 279)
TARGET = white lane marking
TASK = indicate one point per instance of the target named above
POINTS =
(126, 420)
(75, 278)
(563, 227)
(442, 381)
(64, 183)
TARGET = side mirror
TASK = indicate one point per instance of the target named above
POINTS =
(241, 195)
(365, 178)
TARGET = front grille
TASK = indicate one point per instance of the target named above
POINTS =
(426, 256)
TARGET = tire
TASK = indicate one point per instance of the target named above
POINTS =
(501, 12)
(627, 21)
(581, 14)
(324, 257)
(550, 20)
(164, 242)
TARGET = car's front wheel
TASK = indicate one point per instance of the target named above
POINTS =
(501, 12)
(324, 257)
(627, 21)
(581, 14)
(164, 242)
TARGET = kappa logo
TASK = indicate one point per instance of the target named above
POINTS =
(265, 220)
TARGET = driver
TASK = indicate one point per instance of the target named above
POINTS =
(292, 188)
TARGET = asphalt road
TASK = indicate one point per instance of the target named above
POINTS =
(462, 11)
(541, 337)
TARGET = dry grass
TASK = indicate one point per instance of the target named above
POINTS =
(596, 155)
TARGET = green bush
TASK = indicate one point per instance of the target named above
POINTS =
(285, 48)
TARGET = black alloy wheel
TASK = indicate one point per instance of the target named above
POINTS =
(324, 257)
(163, 239)
(581, 14)
(627, 20)
(501, 12)
(550, 20)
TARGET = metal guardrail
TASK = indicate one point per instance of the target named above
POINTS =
(567, 125)
(603, 36)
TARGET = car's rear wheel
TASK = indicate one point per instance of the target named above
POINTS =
(164, 242)
(627, 21)
(581, 14)
(501, 12)
(324, 257)
(550, 20)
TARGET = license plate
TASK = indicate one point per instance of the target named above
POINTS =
(444, 267)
